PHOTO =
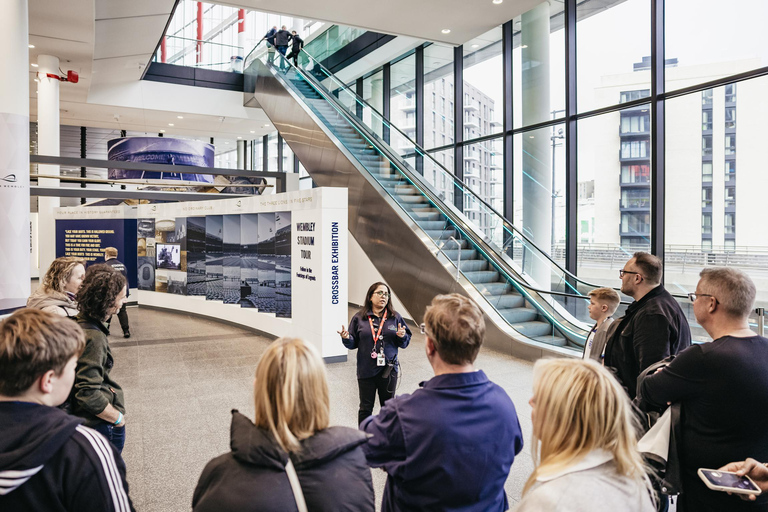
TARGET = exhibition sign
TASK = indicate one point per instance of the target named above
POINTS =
(275, 263)
(86, 232)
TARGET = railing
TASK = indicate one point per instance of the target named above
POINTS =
(332, 40)
(183, 51)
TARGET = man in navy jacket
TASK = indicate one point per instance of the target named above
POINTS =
(449, 445)
(48, 460)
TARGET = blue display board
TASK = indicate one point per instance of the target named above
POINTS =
(88, 238)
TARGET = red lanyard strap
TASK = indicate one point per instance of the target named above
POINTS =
(373, 331)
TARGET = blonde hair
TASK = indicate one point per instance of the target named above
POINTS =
(608, 296)
(58, 274)
(291, 392)
(110, 252)
(580, 407)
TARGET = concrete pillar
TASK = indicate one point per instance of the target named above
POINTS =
(377, 102)
(14, 154)
(48, 138)
(537, 158)
(241, 154)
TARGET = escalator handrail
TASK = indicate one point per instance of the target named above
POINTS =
(456, 180)
(465, 227)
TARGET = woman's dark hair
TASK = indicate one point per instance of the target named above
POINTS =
(101, 286)
(367, 307)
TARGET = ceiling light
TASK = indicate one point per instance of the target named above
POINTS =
(530, 136)
(266, 126)
(162, 131)
(524, 46)
(34, 65)
(253, 131)
(226, 142)
(36, 80)
(170, 124)
(497, 2)
(31, 46)
(446, 31)
(239, 137)
(179, 117)
(475, 45)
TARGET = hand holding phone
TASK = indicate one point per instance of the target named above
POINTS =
(726, 481)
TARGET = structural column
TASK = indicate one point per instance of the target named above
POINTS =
(14, 153)
(537, 157)
(241, 32)
(241, 154)
(47, 144)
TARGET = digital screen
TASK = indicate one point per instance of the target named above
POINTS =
(723, 479)
(168, 256)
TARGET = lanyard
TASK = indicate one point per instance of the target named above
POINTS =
(377, 334)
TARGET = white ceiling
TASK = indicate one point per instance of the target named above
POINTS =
(109, 43)
(423, 19)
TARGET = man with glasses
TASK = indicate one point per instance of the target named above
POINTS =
(723, 390)
(450, 444)
(653, 327)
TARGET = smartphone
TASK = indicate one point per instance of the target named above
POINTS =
(729, 482)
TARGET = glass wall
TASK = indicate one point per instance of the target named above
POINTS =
(438, 93)
(483, 85)
(373, 93)
(483, 169)
(402, 97)
(539, 65)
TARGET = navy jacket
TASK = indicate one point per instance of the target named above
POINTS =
(652, 329)
(49, 462)
(448, 446)
(270, 36)
(722, 388)
(118, 265)
(360, 338)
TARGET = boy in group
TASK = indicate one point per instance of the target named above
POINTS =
(602, 305)
(48, 461)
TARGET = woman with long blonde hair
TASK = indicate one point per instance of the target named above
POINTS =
(289, 453)
(584, 442)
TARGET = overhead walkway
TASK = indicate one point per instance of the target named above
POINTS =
(411, 230)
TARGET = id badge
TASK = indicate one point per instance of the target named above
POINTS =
(381, 360)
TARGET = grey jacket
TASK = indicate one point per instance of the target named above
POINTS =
(598, 343)
(596, 489)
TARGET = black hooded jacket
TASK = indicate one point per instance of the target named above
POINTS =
(50, 462)
(331, 467)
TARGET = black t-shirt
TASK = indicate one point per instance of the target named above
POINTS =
(723, 389)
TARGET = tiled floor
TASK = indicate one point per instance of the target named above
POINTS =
(182, 376)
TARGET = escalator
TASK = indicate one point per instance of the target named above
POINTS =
(409, 227)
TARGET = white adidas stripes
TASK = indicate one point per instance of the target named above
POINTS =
(12, 479)
(106, 456)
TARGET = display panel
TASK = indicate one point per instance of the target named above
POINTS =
(168, 256)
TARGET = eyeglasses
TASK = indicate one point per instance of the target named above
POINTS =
(382, 294)
(622, 272)
(694, 296)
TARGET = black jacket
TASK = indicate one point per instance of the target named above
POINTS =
(282, 37)
(297, 44)
(652, 328)
(120, 267)
(49, 462)
(331, 468)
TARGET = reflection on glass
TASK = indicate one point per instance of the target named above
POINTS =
(403, 100)
(373, 93)
(483, 170)
(538, 65)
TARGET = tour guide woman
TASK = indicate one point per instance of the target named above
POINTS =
(376, 331)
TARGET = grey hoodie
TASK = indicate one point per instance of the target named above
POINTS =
(53, 302)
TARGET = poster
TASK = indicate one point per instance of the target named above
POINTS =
(196, 256)
(231, 243)
(249, 259)
(214, 252)
(160, 150)
(283, 264)
(266, 296)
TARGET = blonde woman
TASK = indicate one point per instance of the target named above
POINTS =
(584, 442)
(61, 282)
(290, 432)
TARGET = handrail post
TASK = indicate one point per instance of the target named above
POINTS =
(760, 321)
(458, 261)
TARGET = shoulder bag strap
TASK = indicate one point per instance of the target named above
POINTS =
(298, 495)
